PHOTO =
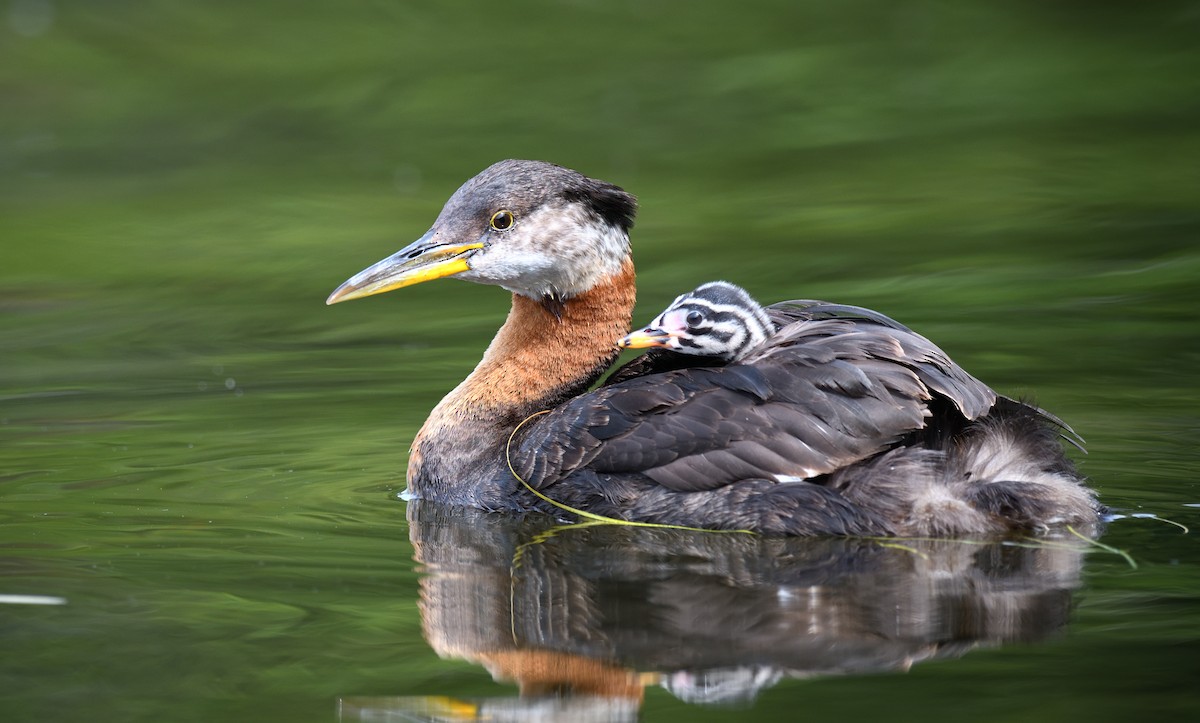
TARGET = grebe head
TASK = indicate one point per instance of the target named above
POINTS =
(716, 319)
(531, 227)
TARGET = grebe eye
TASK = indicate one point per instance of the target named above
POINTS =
(502, 220)
(694, 319)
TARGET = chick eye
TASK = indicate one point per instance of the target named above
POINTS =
(502, 220)
(694, 319)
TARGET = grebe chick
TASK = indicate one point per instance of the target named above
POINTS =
(717, 319)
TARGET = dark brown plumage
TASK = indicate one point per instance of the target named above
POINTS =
(844, 422)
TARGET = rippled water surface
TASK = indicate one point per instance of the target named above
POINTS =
(199, 461)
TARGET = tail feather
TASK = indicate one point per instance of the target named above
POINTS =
(1006, 471)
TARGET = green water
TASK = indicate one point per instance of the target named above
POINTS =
(200, 460)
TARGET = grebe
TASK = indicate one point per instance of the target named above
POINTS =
(841, 423)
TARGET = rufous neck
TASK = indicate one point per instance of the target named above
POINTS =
(538, 359)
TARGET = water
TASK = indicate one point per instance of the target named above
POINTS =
(199, 462)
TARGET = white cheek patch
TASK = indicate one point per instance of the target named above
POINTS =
(561, 249)
(519, 271)
(595, 249)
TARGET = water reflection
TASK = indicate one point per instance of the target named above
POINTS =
(583, 618)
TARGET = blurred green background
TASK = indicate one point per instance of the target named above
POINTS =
(202, 457)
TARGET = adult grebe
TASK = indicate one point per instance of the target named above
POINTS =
(839, 424)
